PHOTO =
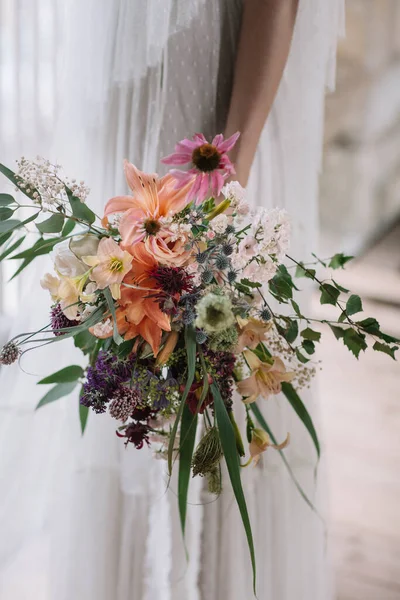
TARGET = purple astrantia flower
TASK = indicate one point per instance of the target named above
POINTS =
(59, 321)
(210, 164)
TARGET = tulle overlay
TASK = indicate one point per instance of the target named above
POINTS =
(84, 518)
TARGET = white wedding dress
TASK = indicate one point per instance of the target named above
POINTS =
(83, 518)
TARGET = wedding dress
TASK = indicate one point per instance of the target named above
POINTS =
(85, 518)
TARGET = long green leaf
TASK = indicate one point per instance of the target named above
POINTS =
(259, 416)
(83, 413)
(110, 303)
(228, 442)
(71, 373)
(11, 248)
(190, 343)
(301, 411)
(17, 182)
(186, 447)
(58, 391)
(9, 225)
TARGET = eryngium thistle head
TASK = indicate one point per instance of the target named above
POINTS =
(232, 276)
(9, 353)
(265, 314)
(207, 276)
(230, 229)
(59, 321)
(208, 453)
(201, 336)
(227, 249)
(124, 402)
(188, 316)
(221, 262)
(201, 258)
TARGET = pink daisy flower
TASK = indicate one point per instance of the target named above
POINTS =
(210, 164)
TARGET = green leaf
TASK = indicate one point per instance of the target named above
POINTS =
(290, 331)
(302, 271)
(71, 373)
(186, 447)
(339, 260)
(301, 358)
(308, 346)
(9, 225)
(301, 411)
(83, 413)
(353, 305)
(390, 351)
(329, 294)
(58, 391)
(354, 341)
(17, 182)
(4, 237)
(68, 227)
(40, 247)
(340, 287)
(228, 443)
(250, 284)
(85, 341)
(191, 347)
(52, 225)
(371, 325)
(11, 248)
(338, 332)
(6, 213)
(259, 416)
(296, 309)
(310, 334)
(6, 199)
(342, 317)
(110, 303)
(79, 209)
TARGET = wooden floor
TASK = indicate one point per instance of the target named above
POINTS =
(360, 412)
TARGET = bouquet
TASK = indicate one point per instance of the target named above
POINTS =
(183, 300)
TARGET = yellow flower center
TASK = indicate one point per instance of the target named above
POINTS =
(116, 265)
(206, 157)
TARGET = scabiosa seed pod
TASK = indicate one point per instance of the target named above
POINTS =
(59, 321)
(208, 453)
(265, 314)
(9, 353)
(201, 336)
(124, 402)
(232, 276)
(207, 276)
(227, 249)
(201, 258)
(221, 262)
(230, 229)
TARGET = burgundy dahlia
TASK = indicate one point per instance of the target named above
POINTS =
(136, 433)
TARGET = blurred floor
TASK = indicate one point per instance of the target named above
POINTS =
(360, 411)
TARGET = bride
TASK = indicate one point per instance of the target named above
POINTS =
(83, 518)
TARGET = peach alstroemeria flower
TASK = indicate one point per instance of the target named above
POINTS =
(252, 332)
(265, 379)
(110, 266)
(260, 441)
(139, 314)
(146, 215)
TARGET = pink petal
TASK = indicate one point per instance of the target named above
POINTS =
(229, 143)
(196, 186)
(143, 185)
(218, 140)
(177, 159)
(186, 145)
(217, 182)
(203, 191)
(199, 137)
(226, 165)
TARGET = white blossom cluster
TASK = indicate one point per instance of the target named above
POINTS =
(46, 184)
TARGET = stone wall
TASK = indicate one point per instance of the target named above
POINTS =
(360, 185)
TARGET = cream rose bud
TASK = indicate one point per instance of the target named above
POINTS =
(84, 245)
(66, 262)
(219, 223)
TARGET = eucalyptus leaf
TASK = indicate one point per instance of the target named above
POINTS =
(53, 224)
(71, 373)
(11, 248)
(9, 225)
(6, 213)
(79, 209)
(6, 199)
(58, 391)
